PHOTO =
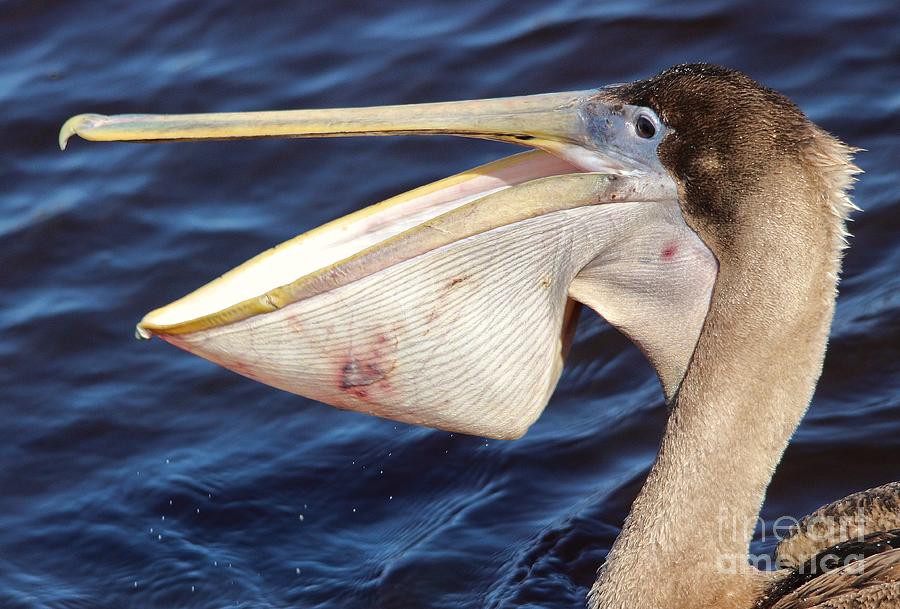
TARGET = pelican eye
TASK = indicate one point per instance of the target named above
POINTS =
(644, 127)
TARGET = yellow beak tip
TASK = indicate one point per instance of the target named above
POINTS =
(76, 126)
(69, 128)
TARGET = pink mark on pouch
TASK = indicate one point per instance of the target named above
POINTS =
(668, 252)
(365, 373)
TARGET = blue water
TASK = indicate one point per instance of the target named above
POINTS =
(135, 475)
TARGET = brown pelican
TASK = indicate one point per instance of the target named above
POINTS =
(697, 211)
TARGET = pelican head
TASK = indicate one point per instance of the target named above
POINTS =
(452, 305)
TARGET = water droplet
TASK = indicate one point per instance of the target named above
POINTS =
(192, 588)
(298, 570)
(159, 537)
(135, 583)
(163, 517)
(300, 517)
(198, 510)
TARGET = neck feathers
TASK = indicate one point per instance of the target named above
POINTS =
(750, 380)
(831, 164)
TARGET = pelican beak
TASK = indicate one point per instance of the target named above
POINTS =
(451, 305)
(552, 122)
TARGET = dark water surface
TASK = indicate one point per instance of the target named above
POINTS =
(135, 475)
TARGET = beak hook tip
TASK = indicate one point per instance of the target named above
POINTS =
(76, 125)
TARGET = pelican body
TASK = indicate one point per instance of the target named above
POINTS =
(697, 211)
